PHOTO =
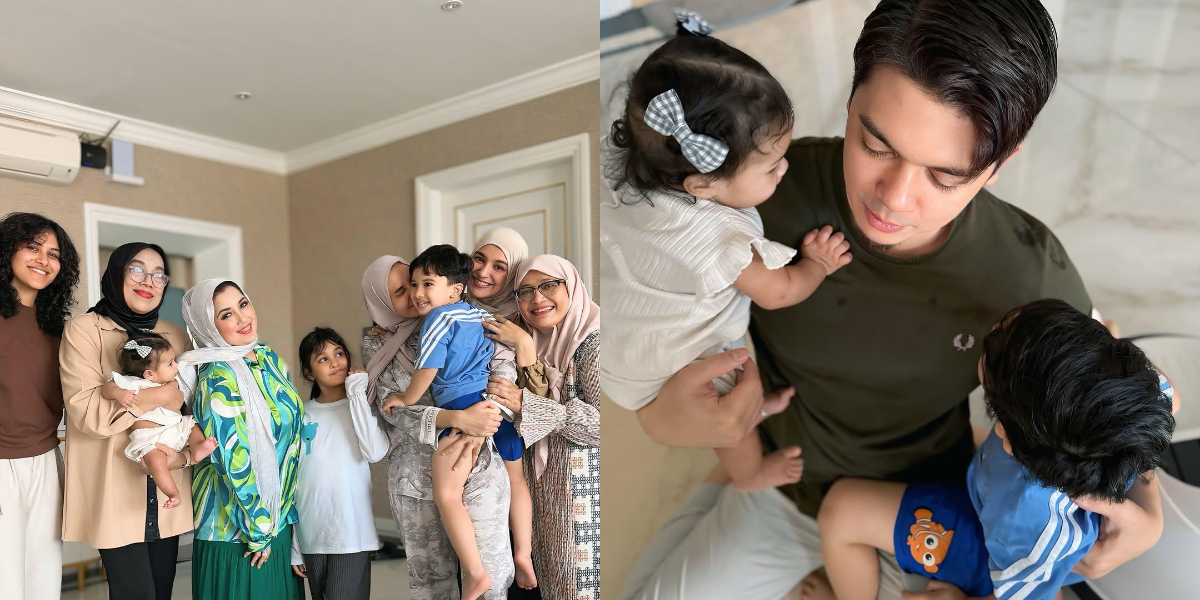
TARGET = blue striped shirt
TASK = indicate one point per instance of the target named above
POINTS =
(452, 342)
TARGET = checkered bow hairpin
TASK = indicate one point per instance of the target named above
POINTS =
(133, 346)
(664, 114)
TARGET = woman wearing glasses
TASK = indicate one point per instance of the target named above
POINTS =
(109, 502)
(562, 427)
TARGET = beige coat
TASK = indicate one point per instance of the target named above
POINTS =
(105, 495)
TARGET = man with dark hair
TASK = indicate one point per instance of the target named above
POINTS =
(884, 353)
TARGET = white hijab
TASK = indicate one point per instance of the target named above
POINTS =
(198, 315)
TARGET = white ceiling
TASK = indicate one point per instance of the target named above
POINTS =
(316, 68)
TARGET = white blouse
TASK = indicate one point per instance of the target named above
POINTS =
(667, 276)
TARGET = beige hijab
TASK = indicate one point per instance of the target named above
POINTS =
(515, 251)
(557, 346)
(379, 305)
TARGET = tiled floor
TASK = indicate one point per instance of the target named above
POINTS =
(1112, 165)
(389, 581)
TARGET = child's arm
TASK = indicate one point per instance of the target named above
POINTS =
(823, 253)
(421, 380)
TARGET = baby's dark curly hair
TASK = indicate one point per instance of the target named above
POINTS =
(725, 95)
(133, 364)
(53, 304)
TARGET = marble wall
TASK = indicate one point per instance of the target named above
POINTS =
(1112, 166)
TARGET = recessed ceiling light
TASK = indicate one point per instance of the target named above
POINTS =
(452, 5)
(242, 95)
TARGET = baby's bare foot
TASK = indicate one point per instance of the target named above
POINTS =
(474, 587)
(780, 467)
(205, 448)
(526, 579)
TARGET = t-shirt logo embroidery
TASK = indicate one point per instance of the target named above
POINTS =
(958, 342)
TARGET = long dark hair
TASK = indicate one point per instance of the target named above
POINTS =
(726, 95)
(312, 344)
(53, 303)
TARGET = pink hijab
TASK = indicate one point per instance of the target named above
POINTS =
(557, 346)
(379, 305)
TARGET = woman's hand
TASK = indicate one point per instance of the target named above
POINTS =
(175, 460)
(376, 331)
(300, 571)
(504, 392)
(481, 419)
(512, 335)
(466, 447)
(260, 558)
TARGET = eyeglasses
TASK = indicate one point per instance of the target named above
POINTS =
(138, 275)
(546, 288)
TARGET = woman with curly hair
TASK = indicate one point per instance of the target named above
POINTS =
(40, 266)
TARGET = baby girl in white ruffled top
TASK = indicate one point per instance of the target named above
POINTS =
(700, 144)
(147, 360)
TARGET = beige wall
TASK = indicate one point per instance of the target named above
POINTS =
(194, 188)
(346, 213)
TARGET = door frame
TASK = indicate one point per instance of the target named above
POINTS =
(429, 192)
(227, 247)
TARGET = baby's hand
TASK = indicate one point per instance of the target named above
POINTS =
(127, 398)
(826, 248)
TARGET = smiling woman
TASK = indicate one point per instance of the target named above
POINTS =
(40, 268)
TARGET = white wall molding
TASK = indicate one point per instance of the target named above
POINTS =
(23, 105)
(428, 191)
(523, 88)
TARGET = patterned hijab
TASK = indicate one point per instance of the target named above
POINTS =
(379, 305)
(198, 315)
(557, 346)
(112, 289)
(515, 251)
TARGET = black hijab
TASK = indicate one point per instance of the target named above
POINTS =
(112, 290)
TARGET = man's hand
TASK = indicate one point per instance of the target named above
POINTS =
(1127, 529)
(688, 411)
(936, 590)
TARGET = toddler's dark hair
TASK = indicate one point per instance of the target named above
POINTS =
(1081, 409)
(132, 364)
(725, 95)
(312, 344)
(443, 260)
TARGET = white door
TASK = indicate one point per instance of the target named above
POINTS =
(542, 192)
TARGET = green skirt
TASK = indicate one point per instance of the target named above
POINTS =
(220, 572)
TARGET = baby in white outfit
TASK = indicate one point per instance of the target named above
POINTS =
(702, 142)
(149, 361)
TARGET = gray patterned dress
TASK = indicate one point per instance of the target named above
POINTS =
(566, 498)
(432, 563)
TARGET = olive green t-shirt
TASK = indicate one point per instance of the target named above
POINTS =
(884, 353)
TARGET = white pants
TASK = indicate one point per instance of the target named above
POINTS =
(729, 544)
(31, 527)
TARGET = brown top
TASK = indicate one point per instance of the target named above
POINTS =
(105, 495)
(31, 400)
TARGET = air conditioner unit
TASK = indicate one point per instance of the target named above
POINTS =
(37, 152)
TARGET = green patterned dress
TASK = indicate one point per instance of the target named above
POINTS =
(230, 517)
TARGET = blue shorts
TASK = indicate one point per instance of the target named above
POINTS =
(938, 535)
(508, 442)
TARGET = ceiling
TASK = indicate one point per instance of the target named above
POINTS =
(316, 68)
